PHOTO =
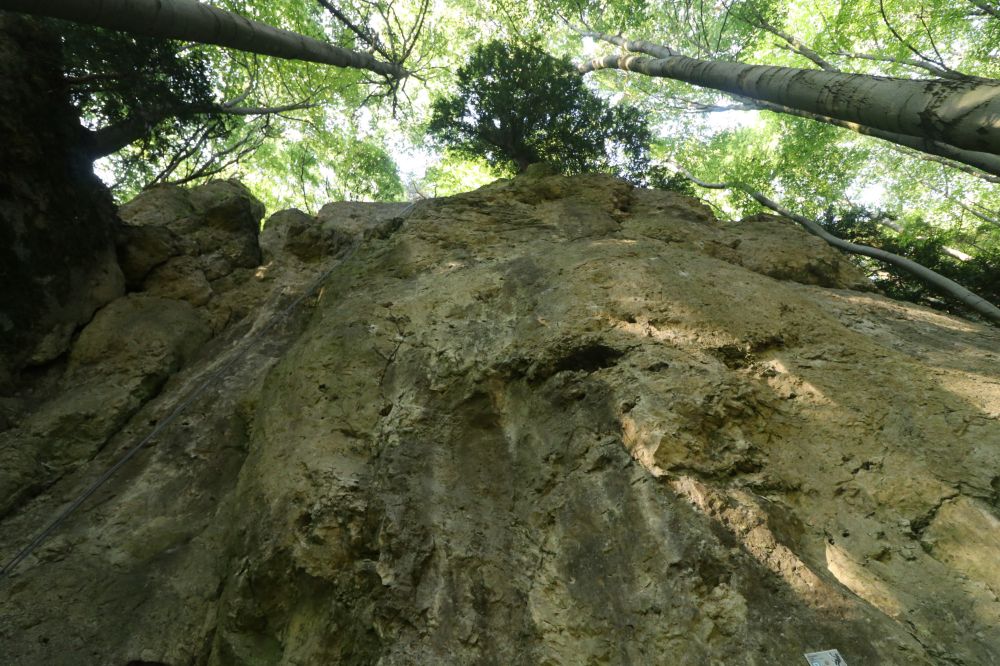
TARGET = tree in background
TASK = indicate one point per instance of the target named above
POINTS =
(924, 244)
(517, 105)
(158, 111)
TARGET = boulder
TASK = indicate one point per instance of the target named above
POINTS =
(140, 335)
(158, 206)
(181, 279)
(356, 219)
(292, 232)
(143, 248)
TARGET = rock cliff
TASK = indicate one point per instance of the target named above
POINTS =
(553, 421)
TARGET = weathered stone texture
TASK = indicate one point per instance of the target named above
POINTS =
(552, 421)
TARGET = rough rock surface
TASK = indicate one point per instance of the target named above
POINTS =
(125, 354)
(552, 421)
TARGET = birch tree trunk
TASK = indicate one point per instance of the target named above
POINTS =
(961, 113)
(191, 21)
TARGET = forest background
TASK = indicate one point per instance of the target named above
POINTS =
(302, 134)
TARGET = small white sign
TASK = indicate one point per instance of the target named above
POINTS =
(826, 658)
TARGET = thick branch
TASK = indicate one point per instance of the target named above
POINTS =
(987, 7)
(260, 110)
(985, 218)
(982, 162)
(691, 106)
(936, 280)
(936, 70)
(87, 78)
(634, 45)
(899, 38)
(951, 163)
(794, 44)
(365, 35)
(191, 21)
(107, 140)
(963, 114)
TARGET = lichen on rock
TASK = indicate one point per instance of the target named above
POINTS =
(555, 420)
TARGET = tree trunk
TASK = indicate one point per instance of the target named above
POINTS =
(985, 162)
(944, 285)
(107, 140)
(963, 114)
(191, 21)
(981, 161)
(57, 220)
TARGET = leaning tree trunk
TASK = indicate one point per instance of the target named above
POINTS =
(944, 285)
(963, 114)
(191, 21)
(934, 150)
(986, 165)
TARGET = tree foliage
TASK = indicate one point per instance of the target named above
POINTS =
(169, 112)
(113, 76)
(923, 243)
(345, 136)
(516, 105)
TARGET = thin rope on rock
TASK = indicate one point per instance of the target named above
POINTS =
(213, 377)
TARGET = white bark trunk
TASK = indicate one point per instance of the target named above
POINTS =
(985, 162)
(191, 21)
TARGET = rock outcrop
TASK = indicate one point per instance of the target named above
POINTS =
(191, 271)
(553, 421)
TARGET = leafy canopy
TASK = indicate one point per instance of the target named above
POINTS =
(517, 105)
(112, 75)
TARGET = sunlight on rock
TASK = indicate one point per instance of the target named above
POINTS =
(965, 535)
(862, 581)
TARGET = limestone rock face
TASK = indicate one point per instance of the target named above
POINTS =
(356, 220)
(553, 421)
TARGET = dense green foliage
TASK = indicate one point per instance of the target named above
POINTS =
(153, 90)
(200, 112)
(517, 105)
(924, 244)
(353, 138)
(113, 76)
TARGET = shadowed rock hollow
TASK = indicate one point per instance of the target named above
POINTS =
(553, 421)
